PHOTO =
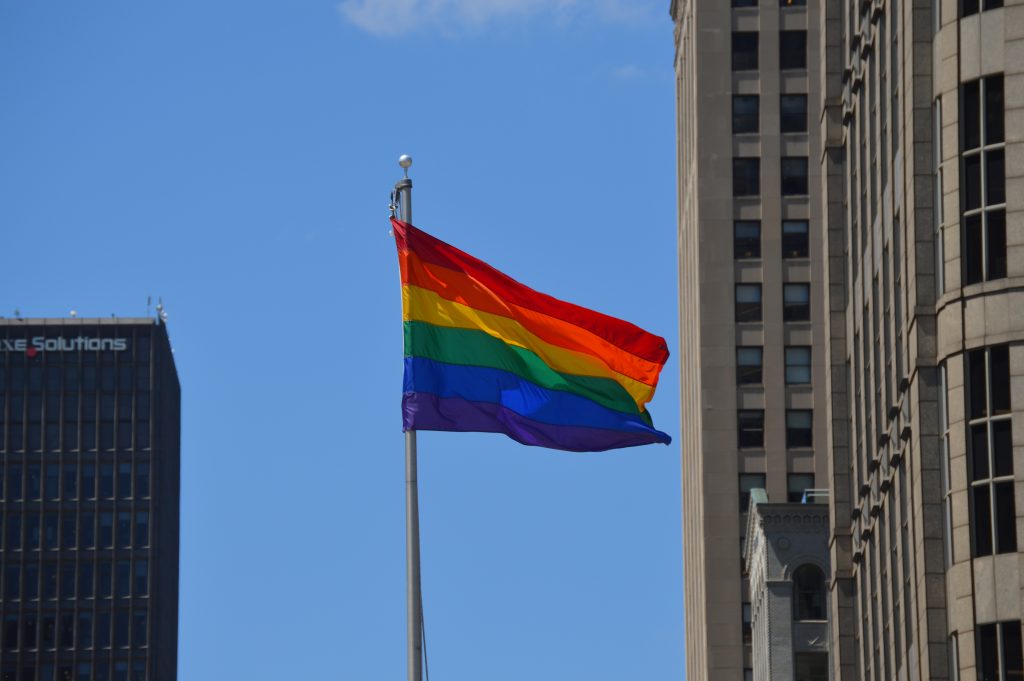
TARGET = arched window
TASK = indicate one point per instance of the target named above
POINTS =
(808, 593)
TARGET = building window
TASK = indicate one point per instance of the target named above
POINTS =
(746, 176)
(10, 632)
(744, 3)
(810, 667)
(796, 302)
(792, 50)
(747, 239)
(969, 7)
(748, 482)
(747, 625)
(798, 364)
(750, 428)
(748, 365)
(744, 51)
(999, 651)
(796, 485)
(794, 176)
(983, 179)
(808, 593)
(748, 674)
(748, 302)
(795, 239)
(793, 3)
(745, 113)
(990, 451)
(798, 428)
(793, 113)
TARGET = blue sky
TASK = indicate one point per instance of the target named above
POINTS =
(235, 158)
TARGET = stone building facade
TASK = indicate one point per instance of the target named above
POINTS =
(752, 327)
(922, 173)
(787, 566)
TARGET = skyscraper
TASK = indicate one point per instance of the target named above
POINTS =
(752, 293)
(89, 443)
(923, 134)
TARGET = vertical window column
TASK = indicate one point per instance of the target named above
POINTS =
(990, 452)
(983, 179)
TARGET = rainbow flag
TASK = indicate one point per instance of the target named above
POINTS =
(485, 353)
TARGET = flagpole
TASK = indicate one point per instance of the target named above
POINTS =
(414, 603)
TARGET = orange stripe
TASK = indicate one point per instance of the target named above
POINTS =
(461, 288)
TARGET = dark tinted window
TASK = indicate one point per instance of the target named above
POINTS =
(796, 302)
(983, 179)
(746, 239)
(808, 593)
(799, 424)
(794, 176)
(969, 7)
(795, 238)
(748, 365)
(744, 51)
(750, 426)
(746, 176)
(793, 113)
(792, 50)
(797, 484)
(745, 113)
(748, 302)
(798, 364)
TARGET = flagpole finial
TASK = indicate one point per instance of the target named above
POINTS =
(405, 160)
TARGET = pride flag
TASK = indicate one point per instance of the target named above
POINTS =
(485, 353)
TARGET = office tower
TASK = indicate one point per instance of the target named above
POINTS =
(751, 293)
(89, 444)
(923, 135)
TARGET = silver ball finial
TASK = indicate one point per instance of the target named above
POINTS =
(405, 160)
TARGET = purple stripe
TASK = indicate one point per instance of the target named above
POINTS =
(425, 411)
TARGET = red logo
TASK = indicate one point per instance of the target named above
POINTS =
(31, 352)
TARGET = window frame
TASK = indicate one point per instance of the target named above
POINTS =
(787, 53)
(792, 495)
(746, 313)
(799, 437)
(798, 184)
(983, 226)
(989, 486)
(786, 119)
(742, 247)
(744, 55)
(751, 428)
(794, 350)
(745, 373)
(796, 247)
(748, 117)
(746, 176)
(799, 311)
(816, 609)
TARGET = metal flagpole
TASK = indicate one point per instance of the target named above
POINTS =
(414, 604)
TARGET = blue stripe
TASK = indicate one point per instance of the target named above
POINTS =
(484, 384)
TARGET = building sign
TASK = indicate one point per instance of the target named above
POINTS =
(33, 346)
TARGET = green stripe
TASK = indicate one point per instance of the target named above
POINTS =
(470, 347)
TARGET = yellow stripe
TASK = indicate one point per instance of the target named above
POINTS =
(422, 305)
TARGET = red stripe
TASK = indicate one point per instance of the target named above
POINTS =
(622, 334)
